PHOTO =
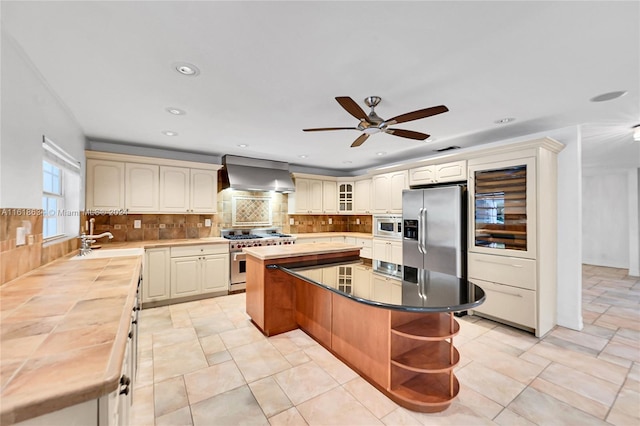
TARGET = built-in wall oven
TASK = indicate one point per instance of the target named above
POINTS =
(387, 226)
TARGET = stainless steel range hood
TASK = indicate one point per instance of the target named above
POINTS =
(251, 174)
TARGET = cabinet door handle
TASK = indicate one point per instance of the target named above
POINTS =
(515, 265)
(508, 293)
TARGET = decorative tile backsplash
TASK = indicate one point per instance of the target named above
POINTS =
(251, 211)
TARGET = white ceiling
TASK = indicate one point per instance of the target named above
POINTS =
(270, 69)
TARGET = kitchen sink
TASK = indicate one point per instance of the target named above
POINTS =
(102, 253)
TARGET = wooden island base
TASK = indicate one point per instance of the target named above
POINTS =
(408, 356)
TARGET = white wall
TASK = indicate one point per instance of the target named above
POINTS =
(29, 110)
(610, 212)
(570, 228)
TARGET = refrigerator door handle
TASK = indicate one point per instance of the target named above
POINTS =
(424, 230)
(420, 227)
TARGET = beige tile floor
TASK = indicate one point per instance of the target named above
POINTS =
(203, 363)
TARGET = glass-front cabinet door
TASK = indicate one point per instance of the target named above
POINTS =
(345, 197)
(502, 208)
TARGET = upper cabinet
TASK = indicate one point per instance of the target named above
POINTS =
(346, 196)
(438, 173)
(141, 187)
(387, 191)
(105, 185)
(314, 196)
(150, 185)
(362, 202)
(186, 190)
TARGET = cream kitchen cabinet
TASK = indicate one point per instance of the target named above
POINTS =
(141, 187)
(118, 182)
(156, 285)
(329, 197)
(439, 173)
(105, 182)
(387, 191)
(308, 197)
(362, 196)
(366, 249)
(186, 190)
(513, 234)
(199, 269)
(346, 197)
(387, 250)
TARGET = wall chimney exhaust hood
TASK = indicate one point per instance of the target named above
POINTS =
(251, 174)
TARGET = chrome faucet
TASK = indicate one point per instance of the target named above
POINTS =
(87, 240)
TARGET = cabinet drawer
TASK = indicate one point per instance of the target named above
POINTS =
(200, 249)
(512, 271)
(508, 303)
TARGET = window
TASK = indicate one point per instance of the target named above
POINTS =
(52, 201)
(60, 192)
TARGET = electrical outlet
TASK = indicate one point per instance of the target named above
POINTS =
(292, 221)
(357, 221)
(330, 221)
(207, 223)
(137, 224)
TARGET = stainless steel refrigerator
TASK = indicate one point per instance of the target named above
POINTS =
(434, 229)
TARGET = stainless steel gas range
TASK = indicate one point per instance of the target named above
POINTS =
(241, 238)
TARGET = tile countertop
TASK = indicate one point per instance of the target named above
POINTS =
(276, 252)
(64, 330)
(334, 234)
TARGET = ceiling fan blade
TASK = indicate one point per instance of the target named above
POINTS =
(363, 137)
(321, 129)
(407, 134)
(416, 115)
(352, 107)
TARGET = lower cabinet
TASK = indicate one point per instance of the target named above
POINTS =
(387, 250)
(366, 247)
(184, 271)
(156, 283)
(510, 284)
(199, 269)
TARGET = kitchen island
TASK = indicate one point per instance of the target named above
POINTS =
(397, 334)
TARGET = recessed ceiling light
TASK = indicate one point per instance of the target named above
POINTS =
(169, 133)
(303, 156)
(381, 153)
(609, 96)
(175, 111)
(186, 69)
(636, 132)
(243, 145)
(504, 120)
(347, 162)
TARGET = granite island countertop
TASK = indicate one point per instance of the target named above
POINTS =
(64, 327)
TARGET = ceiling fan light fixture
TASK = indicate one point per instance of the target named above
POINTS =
(609, 96)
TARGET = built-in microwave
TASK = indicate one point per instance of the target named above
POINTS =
(387, 226)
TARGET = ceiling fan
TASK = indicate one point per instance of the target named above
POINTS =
(372, 123)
